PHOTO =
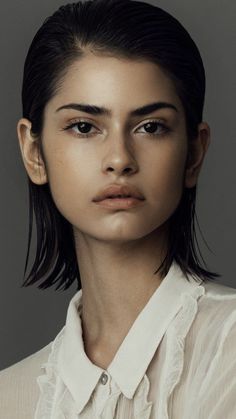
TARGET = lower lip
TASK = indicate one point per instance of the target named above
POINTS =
(120, 202)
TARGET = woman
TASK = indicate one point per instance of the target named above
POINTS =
(113, 141)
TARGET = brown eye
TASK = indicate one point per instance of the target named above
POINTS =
(151, 127)
(155, 128)
(83, 128)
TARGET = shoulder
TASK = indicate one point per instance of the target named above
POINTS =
(19, 390)
(217, 289)
(219, 307)
(218, 299)
(216, 309)
(211, 352)
(212, 337)
(30, 364)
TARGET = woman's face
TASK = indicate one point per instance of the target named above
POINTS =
(115, 147)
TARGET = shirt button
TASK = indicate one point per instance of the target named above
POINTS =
(104, 378)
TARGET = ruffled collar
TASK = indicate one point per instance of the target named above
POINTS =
(59, 384)
(56, 402)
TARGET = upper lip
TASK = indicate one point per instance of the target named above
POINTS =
(115, 189)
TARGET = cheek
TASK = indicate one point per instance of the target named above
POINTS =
(167, 177)
(68, 176)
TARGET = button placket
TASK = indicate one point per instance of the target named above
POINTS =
(102, 393)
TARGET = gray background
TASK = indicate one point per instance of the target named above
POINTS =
(31, 318)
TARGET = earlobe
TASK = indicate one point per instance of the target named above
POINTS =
(197, 152)
(29, 148)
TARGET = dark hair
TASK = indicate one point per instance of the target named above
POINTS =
(120, 28)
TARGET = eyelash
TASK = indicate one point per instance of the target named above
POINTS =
(86, 135)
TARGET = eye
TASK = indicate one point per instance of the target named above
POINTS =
(155, 128)
(83, 128)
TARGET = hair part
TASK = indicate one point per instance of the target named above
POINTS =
(124, 29)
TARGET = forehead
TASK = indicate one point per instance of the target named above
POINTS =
(114, 81)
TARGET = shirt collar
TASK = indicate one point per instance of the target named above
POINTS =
(130, 362)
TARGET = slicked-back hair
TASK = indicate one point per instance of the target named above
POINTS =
(118, 28)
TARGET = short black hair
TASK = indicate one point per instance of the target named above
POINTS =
(119, 28)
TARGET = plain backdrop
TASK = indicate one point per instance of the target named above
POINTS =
(30, 318)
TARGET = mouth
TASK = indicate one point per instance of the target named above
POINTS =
(119, 192)
(120, 201)
(118, 196)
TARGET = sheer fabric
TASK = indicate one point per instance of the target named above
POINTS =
(176, 362)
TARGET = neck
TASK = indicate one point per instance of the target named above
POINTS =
(117, 281)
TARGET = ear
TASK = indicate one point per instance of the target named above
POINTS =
(31, 156)
(197, 151)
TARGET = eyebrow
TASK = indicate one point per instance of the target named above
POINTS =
(96, 110)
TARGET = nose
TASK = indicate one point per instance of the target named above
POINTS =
(119, 157)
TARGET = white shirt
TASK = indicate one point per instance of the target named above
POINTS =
(178, 361)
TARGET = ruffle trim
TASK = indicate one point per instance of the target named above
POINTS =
(49, 385)
(55, 401)
(176, 335)
(142, 407)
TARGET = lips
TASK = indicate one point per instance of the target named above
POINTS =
(118, 191)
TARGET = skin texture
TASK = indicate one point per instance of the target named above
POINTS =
(117, 250)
